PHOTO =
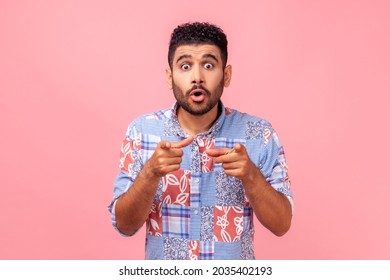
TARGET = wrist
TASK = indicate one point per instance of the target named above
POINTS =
(252, 175)
(148, 175)
(254, 181)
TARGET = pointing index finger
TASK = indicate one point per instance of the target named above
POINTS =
(219, 152)
(183, 143)
(238, 148)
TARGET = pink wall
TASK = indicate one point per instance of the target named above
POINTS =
(70, 72)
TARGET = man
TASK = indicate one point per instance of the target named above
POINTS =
(197, 172)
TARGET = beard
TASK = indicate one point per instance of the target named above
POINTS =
(201, 108)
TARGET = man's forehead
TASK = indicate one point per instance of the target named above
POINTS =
(197, 50)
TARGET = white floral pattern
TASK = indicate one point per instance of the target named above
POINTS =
(154, 222)
(176, 187)
(193, 250)
(130, 153)
(206, 161)
(228, 223)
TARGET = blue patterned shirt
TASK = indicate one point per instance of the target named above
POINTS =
(199, 212)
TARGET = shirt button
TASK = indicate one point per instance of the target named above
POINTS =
(196, 212)
(196, 180)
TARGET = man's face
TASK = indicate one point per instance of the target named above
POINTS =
(197, 77)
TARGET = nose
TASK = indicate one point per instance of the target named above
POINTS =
(197, 75)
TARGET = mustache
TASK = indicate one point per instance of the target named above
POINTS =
(188, 92)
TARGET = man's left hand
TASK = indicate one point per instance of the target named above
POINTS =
(235, 162)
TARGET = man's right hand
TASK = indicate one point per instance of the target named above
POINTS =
(133, 207)
(167, 157)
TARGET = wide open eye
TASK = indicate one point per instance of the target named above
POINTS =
(208, 66)
(185, 66)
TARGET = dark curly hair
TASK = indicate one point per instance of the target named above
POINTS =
(198, 33)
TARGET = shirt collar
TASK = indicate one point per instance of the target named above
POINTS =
(176, 129)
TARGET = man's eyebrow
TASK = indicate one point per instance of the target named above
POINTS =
(183, 57)
(209, 55)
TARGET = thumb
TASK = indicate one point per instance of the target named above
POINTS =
(165, 145)
(239, 148)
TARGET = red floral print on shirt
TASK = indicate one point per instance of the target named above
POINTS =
(228, 223)
(176, 187)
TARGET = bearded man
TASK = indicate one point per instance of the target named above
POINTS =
(197, 173)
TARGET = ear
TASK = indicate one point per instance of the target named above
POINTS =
(168, 76)
(228, 75)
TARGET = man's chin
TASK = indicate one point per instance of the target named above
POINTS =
(196, 109)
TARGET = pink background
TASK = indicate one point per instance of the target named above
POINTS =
(73, 74)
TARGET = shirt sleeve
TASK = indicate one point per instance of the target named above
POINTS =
(130, 164)
(274, 166)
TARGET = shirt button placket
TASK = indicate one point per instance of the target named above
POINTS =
(195, 223)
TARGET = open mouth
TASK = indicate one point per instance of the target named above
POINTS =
(197, 95)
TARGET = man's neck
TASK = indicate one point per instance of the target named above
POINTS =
(194, 125)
